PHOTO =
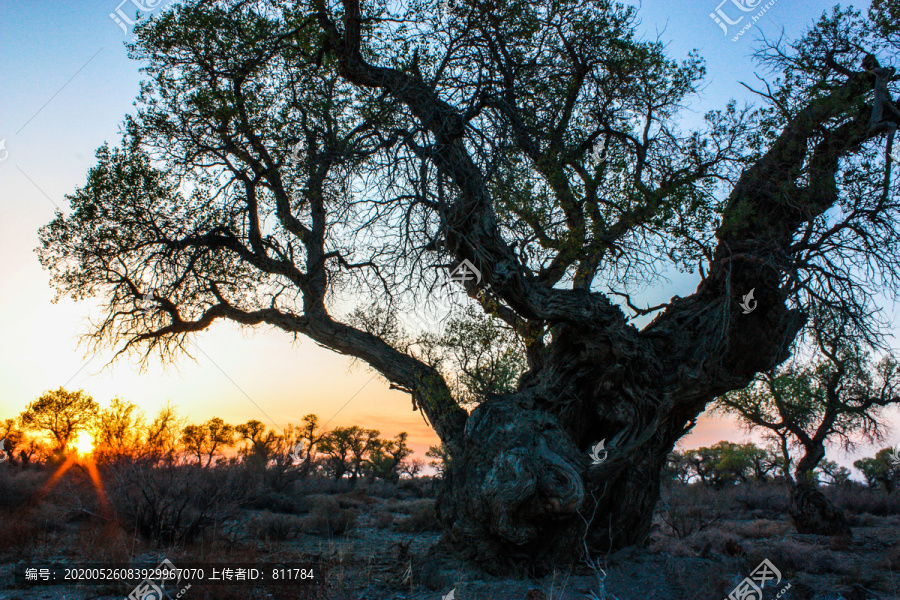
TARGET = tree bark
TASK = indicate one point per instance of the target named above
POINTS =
(522, 491)
(813, 513)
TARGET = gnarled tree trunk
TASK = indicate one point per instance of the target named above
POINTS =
(811, 512)
(522, 489)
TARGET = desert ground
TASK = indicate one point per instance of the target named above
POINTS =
(376, 540)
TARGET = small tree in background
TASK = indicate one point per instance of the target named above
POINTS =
(440, 456)
(362, 443)
(309, 434)
(724, 463)
(336, 444)
(836, 394)
(832, 473)
(881, 471)
(62, 415)
(207, 439)
(119, 430)
(387, 457)
(161, 442)
(677, 468)
(261, 443)
(412, 467)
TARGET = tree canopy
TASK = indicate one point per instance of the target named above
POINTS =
(292, 162)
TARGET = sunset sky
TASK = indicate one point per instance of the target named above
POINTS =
(66, 83)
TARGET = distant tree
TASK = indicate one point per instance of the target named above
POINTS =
(119, 430)
(309, 434)
(881, 471)
(835, 395)
(832, 473)
(281, 469)
(338, 446)
(61, 414)
(726, 463)
(362, 443)
(261, 443)
(677, 467)
(207, 439)
(765, 463)
(412, 467)
(387, 457)
(161, 441)
(441, 458)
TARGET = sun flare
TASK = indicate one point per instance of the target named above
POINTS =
(84, 444)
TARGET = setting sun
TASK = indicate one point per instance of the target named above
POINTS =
(84, 443)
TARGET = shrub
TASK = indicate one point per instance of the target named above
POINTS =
(421, 518)
(769, 500)
(328, 518)
(29, 532)
(19, 488)
(691, 509)
(762, 528)
(280, 502)
(275, 527)
(864, 500)
(382, 520)
(169, 503)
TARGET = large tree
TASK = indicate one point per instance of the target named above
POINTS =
(292, 161)
(836, 396)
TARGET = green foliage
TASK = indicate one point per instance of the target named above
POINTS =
(833, 474)
(440, 456)
(479, 354)
(725, 463)
(387, 457)
(881, 471)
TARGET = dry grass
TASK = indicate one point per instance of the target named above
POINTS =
(368, 544)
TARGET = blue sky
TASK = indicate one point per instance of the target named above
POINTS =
(66, 83)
